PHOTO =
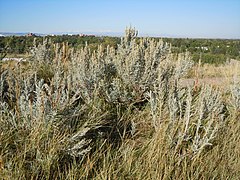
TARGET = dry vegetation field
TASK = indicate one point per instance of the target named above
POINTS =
(221, 76)
(134, 112)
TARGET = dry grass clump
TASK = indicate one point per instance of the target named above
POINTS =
(227, 70)
(115, 114)
(220, 76)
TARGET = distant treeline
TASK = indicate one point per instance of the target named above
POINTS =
(23, 44)
(213, 51)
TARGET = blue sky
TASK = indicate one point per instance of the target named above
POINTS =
(178, 18)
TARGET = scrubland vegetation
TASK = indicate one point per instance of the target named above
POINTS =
(115, 113)
(210, 51)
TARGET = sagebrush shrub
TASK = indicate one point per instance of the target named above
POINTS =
(72, 103)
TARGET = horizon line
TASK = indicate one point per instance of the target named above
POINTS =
(113, 34)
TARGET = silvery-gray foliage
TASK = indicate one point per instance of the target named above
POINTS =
(88, 89)
(200, 114)
(41, 52)
(235, 93)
